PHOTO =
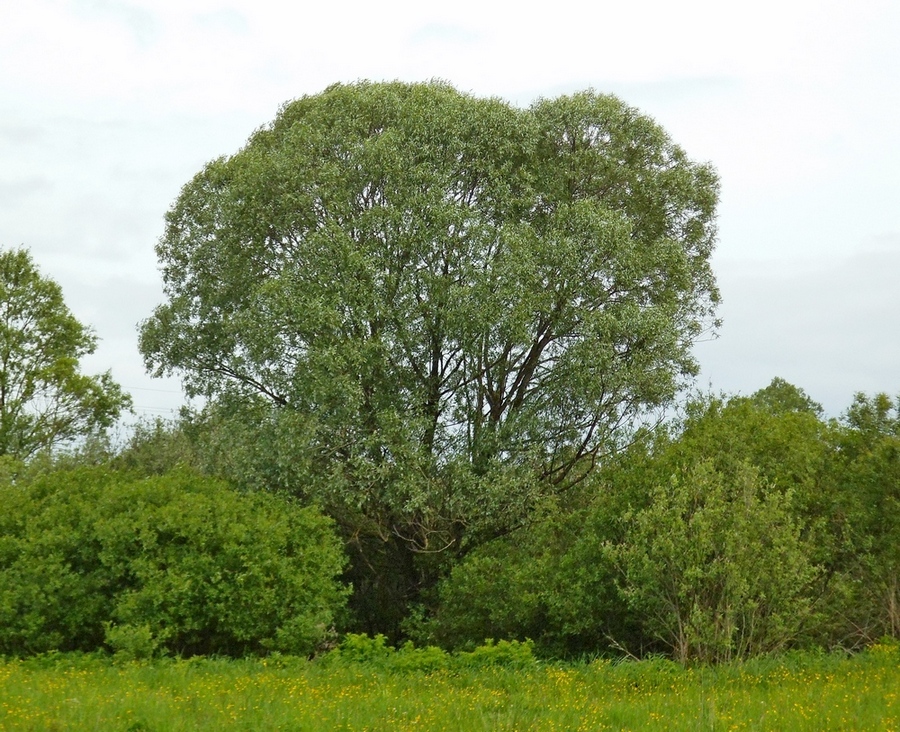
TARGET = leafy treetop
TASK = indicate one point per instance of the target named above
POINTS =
(44, 400)
(440, 290)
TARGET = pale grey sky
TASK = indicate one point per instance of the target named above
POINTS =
(107, 107)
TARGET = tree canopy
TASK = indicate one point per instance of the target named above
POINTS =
(44, 399)
(452, 305)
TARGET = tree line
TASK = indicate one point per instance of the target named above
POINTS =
(448, 334)
(748, 525)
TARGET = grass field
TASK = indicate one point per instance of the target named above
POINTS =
(802, 692)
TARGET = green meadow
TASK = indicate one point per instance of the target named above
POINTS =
(793, 692)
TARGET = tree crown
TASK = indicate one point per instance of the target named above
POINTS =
(44, 399)
(435, 284)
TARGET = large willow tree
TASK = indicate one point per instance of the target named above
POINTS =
(451, 305)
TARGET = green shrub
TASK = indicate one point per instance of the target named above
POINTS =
(362, 649)
(54, 591)
(508, 654)
(374, 653)
(132, 642)
(550, 581)
(716, 567)
(177, 562)
(420, 660)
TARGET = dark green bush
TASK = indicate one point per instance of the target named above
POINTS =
(550, 581)
(508, 654)
(176, 563)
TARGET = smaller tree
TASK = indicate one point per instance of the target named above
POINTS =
(716, 566)
(44, 400)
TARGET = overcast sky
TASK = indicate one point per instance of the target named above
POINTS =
(108, 107)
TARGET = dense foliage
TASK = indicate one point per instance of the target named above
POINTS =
(178, 563)
(753, 526)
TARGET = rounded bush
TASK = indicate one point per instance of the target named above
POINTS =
(178, 563)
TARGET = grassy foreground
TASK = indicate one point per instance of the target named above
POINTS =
(792, 693)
